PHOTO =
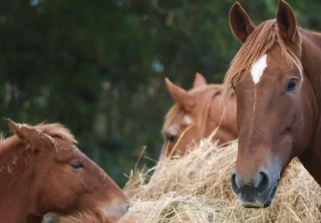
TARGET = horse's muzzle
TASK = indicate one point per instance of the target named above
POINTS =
(257, 192)
(116, 209)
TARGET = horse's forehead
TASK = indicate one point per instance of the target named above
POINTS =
(68, 147)
(257, 69)
(76, 153)
(270, 63)
(276, 61)
(182, 119)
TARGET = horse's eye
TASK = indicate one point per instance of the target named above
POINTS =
(291, 86)
(171, 138)
(77, 165)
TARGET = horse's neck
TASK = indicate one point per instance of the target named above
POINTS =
(34, 219)
(222, 115)
(311, 159)
(15, 188)
(311, 60)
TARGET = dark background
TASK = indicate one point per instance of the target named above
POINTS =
(98, 66)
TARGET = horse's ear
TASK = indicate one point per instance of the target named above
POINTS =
(240, 22)
(16, 129)
(31, 135)
(199, 81)
(286, 21)
(179, 95)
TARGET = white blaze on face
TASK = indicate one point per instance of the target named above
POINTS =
(188, 120)
(173, 130)
(258, 68)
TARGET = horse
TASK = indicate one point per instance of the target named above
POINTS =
(276, 78)
(42, 170)
(195, 115)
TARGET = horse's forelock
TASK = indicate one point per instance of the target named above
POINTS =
(262, 39)
(171, 115)
(51, 130)
(57, 130)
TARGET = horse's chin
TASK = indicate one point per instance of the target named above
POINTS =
(259, 201)
(269, 201)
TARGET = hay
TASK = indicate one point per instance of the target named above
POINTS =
(196, 188)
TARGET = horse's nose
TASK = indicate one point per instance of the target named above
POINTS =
(116, 209)
(124, 207)
(259, 181)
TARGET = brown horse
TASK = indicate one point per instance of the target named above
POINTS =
(41, 171)
(195, 115)
(276, 77)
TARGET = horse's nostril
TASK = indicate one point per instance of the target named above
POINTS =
(127, 206)
(264, 181)
(235, 187)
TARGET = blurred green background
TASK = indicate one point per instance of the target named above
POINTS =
(98, 66)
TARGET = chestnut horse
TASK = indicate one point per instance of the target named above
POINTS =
(276, 77)
(41, 171)
(195, 115)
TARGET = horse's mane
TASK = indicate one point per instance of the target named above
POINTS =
(257, 44)
(208, 94)
(85, 216)
(54, 130)
(57, 130)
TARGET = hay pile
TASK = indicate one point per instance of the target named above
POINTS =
(196, 188)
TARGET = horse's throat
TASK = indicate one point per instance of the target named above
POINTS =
(311, 159)
(34, 219)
